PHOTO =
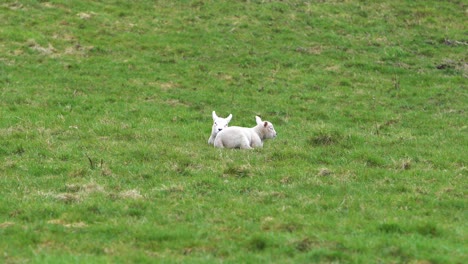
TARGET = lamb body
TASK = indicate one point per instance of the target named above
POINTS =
(245, 138)
(219, 124)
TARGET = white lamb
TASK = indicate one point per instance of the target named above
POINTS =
(245, 138)
(218, 125)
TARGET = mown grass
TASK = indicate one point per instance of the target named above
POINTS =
(106, 107)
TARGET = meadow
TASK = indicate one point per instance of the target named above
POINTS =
(105, 113)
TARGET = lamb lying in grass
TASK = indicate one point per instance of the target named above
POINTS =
(245, 138)
(218, 125)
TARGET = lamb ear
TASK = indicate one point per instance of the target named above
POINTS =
(214, 115)
(265, 124)
(258, 119)
(228, 119)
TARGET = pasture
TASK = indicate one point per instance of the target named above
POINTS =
(105, 113)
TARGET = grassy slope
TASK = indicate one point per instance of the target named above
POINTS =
(105, 113)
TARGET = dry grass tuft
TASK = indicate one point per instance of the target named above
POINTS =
(86, 16)
(65, 224)
(286, 180)
(67, 197)
(171, 188)
(403, 164)
(131, 194)
(324, 172)
(6, 224)
(32, 44)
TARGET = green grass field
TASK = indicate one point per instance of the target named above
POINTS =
(105, 113)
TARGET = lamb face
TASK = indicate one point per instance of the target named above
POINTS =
(269, 130)
(219, 124)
